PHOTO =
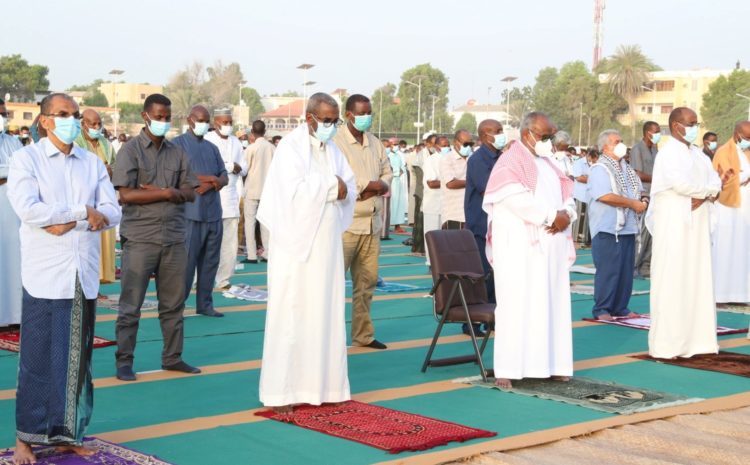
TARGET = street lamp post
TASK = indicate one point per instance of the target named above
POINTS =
(580, 124)
(435, 98)
(507, 80)
(115, 72)
(380, 115)
(304, 67)
(418, 85)
(748, 108)
(242, 83)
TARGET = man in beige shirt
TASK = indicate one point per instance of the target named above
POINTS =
(453, 180)
(372, 171)
(258, 156)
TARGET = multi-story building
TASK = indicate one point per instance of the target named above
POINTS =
(126, 92)
(481, 112)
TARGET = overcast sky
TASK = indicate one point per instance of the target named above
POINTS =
(362, 45)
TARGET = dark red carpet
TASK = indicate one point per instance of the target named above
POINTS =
(9, 340)
(380, 427)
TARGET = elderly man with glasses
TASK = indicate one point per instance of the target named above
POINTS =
(307, 204)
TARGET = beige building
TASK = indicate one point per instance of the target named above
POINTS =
(481, 112)
(23, 114)
(130, 93)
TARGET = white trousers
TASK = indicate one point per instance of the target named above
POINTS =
(431, 223)
(228, 258)
(251, 210)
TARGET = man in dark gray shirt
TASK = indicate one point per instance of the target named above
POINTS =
(642, 157)
(204, 224)
(154, 180)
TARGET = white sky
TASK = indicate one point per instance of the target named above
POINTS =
(362, 45)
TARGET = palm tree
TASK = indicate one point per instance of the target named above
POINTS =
(628, 69)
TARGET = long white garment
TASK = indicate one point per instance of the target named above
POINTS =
(228, 252)
(11, 289)
(304, 349)
(683, 310)
(231, 152)
(533, 329)
(731, 251)
(398, 189)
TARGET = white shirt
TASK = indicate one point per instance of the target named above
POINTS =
(452, 166)
(431, 203)
(231, 152)
(46, 187)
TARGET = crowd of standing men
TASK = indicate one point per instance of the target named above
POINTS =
(324, 199)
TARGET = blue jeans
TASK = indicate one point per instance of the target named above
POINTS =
(613, 282)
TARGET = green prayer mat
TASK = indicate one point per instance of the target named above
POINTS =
(590, 393)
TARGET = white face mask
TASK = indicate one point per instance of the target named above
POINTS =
(245, 143)
(620, 150)
(225, 131)
(2, 124)
(200, 129)
(543, 149)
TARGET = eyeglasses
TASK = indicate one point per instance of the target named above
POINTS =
(543, 138)
(327, 123)
(696, 125)
(63, 114)
(468, 144)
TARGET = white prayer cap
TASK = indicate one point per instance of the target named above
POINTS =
(427, 135)
(226, 111)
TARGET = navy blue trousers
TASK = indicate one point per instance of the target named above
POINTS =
(203, 241)
(613, 283)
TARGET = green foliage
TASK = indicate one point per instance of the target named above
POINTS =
(20, 79)
(722, 108)
(468, 122)
(94, 98)
(130, 112)
(251, 97)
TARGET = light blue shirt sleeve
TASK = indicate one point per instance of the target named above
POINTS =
(598, 183)
(580, 167)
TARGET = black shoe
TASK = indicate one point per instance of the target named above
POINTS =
(247, 260)
(125, 373)
(264, 260)
(375, 344)
(477, 330)
(183, 367)
(212, 313)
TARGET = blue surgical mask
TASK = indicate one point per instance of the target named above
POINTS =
(324, 134)
(499, 141)
(2, 124)
(465, 151)
(712, 145)
(67, 129)
(159, 128)
(362, 122)
(200, 129)
(655, 137)
(94, 133)
(34, 130)
(744, 144)
(445, 150)
(691, 133)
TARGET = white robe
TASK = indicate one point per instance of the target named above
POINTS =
(533, 328)
(683, 309)
(731, 250)
(399, 189)
(304, 349)
(11, 289)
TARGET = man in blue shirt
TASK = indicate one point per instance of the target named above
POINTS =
(615, 197)
(478, 169)
(204, 222)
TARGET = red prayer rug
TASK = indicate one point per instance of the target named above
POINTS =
(644, 322)
(731, 363)
(10, 340)
(380, 427)
(107, 453)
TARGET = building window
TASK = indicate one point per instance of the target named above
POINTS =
(695, 85)
(143, 96)
(649, 109)
(28, 116)
(10, 114)
(666, 109)
(664, 86)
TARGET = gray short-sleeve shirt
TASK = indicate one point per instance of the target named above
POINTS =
(642, 159)
(139, 162)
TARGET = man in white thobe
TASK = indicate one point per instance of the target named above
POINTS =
(307, 203)
(11, 289)
(732, 235)
(529, 203)
(231, 151)
(683, 188)
(433, 193)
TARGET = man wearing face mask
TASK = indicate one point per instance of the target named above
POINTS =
(529, 204)
(615, 197)
(234, 160)
(453, 180)
(433, 194)
(92, 139)
(642, 157)
(710, 144)
(683, 188)
(307, 204)
(11, 289)
(64, 197)
(399, 187)
(203, 215)
(386, 215)
(154, 180)
(731, 247)
(372, 172)
(258, 157)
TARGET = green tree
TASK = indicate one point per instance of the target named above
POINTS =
(20, 79)
(434, 82)
(385, 114)
(94, 98)
(130, 112)
(545, 95)
(468, 122)
(722, 108)
(222, 86)
(185, 89)
(251, 97)
(627, 70)
(520, 102)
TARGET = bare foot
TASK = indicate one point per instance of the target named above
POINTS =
(632, 315)
(398, 229)
(78, 450)
(23, 453)
(503, 383)
(283, 410)
(605, 317)
(562, 379)
(722, 305)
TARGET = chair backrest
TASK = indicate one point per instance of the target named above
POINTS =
(455, 250)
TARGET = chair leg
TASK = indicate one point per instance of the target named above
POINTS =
(471, 333)
(438, 330)
(485, 340)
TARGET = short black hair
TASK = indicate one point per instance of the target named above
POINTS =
(156, 99)
(648, 125)
(258, 128)
(572, 149)
(2, 102)
(676, 115)
(431, 139)
(402, 142)
(47, 101)
(709, 134)
(275, 138)
(354, 99)
(24, 128)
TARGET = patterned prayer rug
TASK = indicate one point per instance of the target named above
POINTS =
(10, 340)
(388, 287)
(735, 308)
(730, 363)
(582, 269)
(380, 427)
(590, 393)
(112, 302)
(584, 289)
(644, 322)
(107, 454)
